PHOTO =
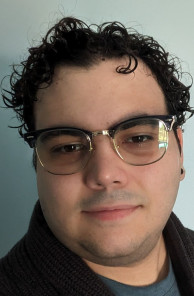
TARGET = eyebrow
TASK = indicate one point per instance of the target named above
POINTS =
(55, 133)
(128, 117)
(132, 115)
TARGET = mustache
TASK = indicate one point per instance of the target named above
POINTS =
(104, 198)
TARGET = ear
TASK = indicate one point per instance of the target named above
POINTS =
(180, 143)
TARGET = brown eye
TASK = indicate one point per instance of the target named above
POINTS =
(68, 148)
(139, 139)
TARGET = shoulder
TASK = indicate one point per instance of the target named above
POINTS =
(5, 287)
(12, 271)
(178, 236)
(179, 239)
(175, 225)
(190, 234)
(5, 282)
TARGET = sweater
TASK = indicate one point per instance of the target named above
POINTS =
(40, 265)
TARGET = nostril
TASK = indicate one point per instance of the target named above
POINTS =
(100, 185)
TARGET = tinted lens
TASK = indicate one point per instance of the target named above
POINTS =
(142, 141)
(63, 151)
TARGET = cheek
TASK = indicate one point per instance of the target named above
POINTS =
(55, 189)
(58, 197)
(163, 182)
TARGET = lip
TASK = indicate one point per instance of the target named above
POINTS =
(112, 212)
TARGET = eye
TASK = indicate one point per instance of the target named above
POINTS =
(138, 139)
(68, 148)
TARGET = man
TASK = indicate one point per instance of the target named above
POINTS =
(103, 110)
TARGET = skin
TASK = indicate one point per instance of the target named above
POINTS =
(125, 245)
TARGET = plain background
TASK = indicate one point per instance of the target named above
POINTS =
(22, 22)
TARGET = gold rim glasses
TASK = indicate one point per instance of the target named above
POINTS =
(66, 150)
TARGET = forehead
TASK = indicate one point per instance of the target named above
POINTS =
(98, 97)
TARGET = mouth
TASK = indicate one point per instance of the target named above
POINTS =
(111, 213)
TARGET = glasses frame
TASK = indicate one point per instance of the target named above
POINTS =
(168, 121)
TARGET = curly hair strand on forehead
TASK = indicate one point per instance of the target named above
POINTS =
(72, 42)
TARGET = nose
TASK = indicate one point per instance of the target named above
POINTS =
(105, 170)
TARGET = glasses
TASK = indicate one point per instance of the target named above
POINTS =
(138, 141)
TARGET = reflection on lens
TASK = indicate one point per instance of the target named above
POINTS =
(142, 141)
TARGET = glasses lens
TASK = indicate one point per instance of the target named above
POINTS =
(142, 141)
(63, 151)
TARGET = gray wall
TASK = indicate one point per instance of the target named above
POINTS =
(21, 21)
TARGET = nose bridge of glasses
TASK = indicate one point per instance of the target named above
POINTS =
(108, 133)
(103, 133)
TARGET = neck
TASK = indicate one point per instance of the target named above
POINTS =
(151, 269)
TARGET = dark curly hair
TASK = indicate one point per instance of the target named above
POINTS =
(72, 42)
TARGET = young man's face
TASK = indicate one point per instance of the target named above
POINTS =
(111, 213)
